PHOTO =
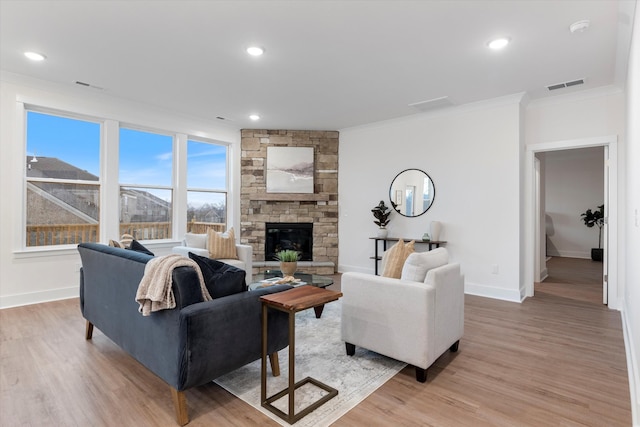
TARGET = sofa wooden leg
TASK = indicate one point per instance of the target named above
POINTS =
(275, 364)
(351, 348)
(421, 375)
(454, 347)
(88, 331)
(180, 405)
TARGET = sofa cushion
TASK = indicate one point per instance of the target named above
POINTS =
(139, 247)
(220, 279)
(194, 240)
(395, 258)
(418, 264)
(222, 245)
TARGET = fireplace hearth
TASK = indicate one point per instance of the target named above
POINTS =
(297, 236)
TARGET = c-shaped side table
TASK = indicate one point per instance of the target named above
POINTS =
(292, 301)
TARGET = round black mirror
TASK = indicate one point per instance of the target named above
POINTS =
(412, 192)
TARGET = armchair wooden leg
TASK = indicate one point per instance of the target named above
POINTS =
(180, 405)
(454, 347)
(275, 364)
(88, 331)
(421, 375)
(351, 348)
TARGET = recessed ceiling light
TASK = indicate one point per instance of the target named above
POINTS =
(35, 56)
(254, 117)
(499, 43)
(255, 50)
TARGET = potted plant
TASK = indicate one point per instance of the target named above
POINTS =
(595, 218)
(381, 214)
(288, 261)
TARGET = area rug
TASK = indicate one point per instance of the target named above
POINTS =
(320, 354)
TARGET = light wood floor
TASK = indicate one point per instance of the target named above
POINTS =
(554, 360)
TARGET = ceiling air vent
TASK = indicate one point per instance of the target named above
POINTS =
(432, 104)
(79, 83)
(566, 84)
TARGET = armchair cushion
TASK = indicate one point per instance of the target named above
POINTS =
(419, 263)
(221, 246)
(395, 257)
(194, 240)
(220, 279)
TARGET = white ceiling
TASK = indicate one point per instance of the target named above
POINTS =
(328, 64)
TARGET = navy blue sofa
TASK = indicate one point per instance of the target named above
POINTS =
(187, 346)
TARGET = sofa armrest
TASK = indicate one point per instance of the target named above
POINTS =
(386, 315)
(245, 254)
(449, 305)
(224, 334)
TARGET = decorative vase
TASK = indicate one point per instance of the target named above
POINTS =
(425, 237)
(288, 268)
(435, 228)
(382, 232)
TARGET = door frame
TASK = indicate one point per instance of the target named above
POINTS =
(611, 209)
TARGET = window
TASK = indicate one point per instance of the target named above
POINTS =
(146, 168)
(62, 180)
(206, 186)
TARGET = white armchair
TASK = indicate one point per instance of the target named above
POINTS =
(197, 243)
(414, 322)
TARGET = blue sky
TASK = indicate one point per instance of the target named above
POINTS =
(145, 158)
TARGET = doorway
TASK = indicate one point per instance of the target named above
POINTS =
(535, 225)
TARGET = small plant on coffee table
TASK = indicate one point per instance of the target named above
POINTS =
(288, 255)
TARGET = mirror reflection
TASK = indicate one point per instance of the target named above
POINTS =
(412, 192)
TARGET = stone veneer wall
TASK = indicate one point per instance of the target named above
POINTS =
(321, 208)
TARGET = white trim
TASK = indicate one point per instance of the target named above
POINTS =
(633, 370)
(480, 290)
(529, 232)
(579, 95)
(9, 301)
(569, 254)
(513, 99)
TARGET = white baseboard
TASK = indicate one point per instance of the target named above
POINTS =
(544, 274)
(632, 368)
(17, 300)
(492, 292)
(570, 254)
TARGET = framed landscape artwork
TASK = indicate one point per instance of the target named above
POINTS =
(289, 169)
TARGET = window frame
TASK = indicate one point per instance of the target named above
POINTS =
(26, 109)
(224, 191)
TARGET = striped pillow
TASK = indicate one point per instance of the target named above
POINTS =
(222, 246)
(395, 258)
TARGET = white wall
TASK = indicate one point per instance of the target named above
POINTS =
(30, 276)
(472, 154)
(631, 309)
(574, 182)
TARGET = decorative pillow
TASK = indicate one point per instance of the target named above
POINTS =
(221, 247)
(419, 263)
(220, 279)
(395, 258)
(115, 244)
(138, 247)
(194, 240)
(125, 240)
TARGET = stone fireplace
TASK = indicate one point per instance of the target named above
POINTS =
(319, 208)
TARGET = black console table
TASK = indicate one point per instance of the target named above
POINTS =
(384, 240)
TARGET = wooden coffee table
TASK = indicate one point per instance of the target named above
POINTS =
(308, 279)
(293, 301)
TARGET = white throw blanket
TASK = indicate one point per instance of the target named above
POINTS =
(155, 290)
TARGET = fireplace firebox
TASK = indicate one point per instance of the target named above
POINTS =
(297, 236)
